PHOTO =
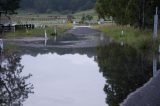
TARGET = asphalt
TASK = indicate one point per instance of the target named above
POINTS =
(148, 95)
(83, 31)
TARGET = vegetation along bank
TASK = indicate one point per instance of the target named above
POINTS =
(133, 22)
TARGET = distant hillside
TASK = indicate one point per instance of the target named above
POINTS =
(47, 6)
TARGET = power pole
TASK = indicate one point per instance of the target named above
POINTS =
(155, 30)
(155, 34)
(143, 14)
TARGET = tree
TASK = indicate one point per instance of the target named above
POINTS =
(125, 71)
(13, 87)
(8, 6)
(41, 5)
(57, 5)
(89, 17)
(103, 8)
(137, 13)
(86, 18)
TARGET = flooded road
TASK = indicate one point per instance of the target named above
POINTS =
(74, 38)
(98, 72)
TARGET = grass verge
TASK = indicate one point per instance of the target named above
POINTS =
(140, 39)
(37, 32)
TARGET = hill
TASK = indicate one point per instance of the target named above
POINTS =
(48, 6)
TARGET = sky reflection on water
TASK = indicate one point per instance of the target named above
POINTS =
(66, 80)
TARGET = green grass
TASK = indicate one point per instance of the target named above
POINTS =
(140, 39)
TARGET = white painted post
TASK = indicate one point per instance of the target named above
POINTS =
(159, 49)
(45, 42)
(102, 37)
(45, 34)
(64, 24)
(55, 30)
(14, 28)
(122, 33)
(1, 46)
(155, 24)
(26, 29)
(45, 38)
(74, 24)
(55, 38)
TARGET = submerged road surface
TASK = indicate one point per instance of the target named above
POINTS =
(148, 95)
(73, 38)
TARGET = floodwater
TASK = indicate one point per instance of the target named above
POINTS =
(82, 76)
(64, 80)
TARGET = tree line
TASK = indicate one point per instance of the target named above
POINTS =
(43, 6)
(8, 6)
(125, 71)
(137, 13)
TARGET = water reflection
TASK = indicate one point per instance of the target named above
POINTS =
(125, 70)
(13, 87)
(45, 42)
(70, 77)
(64, 80)
(155, 66)
(55, 38)
(90, 52)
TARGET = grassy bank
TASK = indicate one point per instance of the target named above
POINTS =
(140, 39)
(38, 32)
